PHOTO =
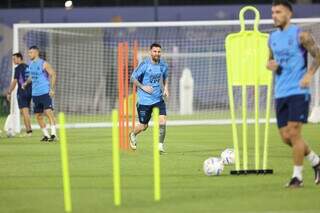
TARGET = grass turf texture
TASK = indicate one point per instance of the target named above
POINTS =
(30, 175)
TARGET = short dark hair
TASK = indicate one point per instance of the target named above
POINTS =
(285, 3)
(155, 45)
(18, 55)
(34, 47)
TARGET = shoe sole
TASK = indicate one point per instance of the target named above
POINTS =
(133, 147)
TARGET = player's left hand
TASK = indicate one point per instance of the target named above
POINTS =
(272, 65)
(306, 80)
(51, 93)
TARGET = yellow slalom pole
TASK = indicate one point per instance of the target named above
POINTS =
(266, 133)
(233, 115)
(244, 67)
(156, 154)
(116, 159)
(256, 106)
(65, 164)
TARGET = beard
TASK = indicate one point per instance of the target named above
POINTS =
(155, 58)
(280, 24)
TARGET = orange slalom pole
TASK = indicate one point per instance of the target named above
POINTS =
(119, 93)
(122, 97)
(126, 61)
(134, 89)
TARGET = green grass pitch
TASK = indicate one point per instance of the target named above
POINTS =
(30, 175)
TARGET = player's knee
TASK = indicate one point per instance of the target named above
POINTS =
(48, 112)
(38, 116)
(25, 113)
(284, 133)
(285, 138)
(162, 120)
(293, 133)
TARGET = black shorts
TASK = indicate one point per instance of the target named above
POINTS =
(24, 100)
(145, 111)
(42, 103)
(292, 108)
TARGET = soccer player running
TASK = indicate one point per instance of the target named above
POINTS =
(148, 77)
(23, 95)
(43, 79)
(289, 46)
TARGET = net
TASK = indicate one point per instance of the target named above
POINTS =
(85, 57)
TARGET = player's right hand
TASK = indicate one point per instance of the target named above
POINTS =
(272, 65)
(51, 93)
(148, 89)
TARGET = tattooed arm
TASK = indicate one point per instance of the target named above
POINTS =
(308, 42)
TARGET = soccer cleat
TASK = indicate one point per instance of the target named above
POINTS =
(45, 139)
(53, 138)
(29, 133)
(317, 174)
(295, 183)
(133, 141)
(161, 149)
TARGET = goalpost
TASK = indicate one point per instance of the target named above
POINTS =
(85, 56)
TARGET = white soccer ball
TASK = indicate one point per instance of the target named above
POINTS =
(213, 166)
(10, 133)
(228, 156)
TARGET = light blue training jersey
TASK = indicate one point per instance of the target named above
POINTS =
(151, 74)
(292, 57)
(39, 76)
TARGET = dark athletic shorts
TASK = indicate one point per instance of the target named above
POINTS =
(292, 108)
(42, 103)
(24, 100)
(145, 111)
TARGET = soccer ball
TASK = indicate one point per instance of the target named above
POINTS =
(228, 156)
(10, 133)
(213, 166)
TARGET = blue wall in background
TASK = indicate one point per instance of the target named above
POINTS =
(166, 13)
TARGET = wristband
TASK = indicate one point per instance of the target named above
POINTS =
(279, 70)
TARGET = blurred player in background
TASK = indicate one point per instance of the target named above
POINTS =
(289, 46)
(148, 77)
(21, 75)
(43, 78)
